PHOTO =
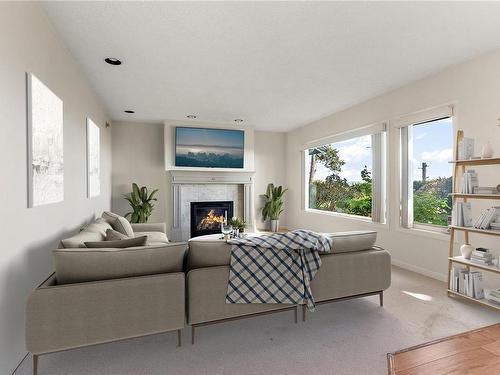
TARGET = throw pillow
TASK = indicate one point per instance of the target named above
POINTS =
(118, 223)
(118, 244)
(114, 235)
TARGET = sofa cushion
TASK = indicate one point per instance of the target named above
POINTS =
(129, 242)
(114, 235)
(153, 238)
(208, 251)
(344, 242)
(82, 265)
(95, 231)
(118, 223)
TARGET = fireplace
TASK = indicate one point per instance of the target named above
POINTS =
(206, 217)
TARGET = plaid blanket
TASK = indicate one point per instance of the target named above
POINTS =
(275, 268)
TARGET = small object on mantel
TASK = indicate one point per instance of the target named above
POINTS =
(487, 151)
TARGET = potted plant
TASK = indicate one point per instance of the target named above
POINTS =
(273, 206)
(238, 225)
(141, 202)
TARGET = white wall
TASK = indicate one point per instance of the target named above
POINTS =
(269, 167)
(474, 87)
(138, 157)
(28, 44)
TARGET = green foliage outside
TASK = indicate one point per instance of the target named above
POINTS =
(431, 203)
(335, 193)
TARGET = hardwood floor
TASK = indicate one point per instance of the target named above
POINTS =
(473, 352)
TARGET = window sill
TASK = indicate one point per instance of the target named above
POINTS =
(339, 215)
(430, 232)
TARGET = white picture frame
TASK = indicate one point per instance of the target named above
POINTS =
(45, 144)
(93, 159)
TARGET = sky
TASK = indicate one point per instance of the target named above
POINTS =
(432, 143)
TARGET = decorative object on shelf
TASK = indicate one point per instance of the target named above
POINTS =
(482, 256)
(274, 205)
(141, 202)
(465, 148)
(487, 151)
(226, 230)
(494, 296)
(466, 250)
(462, 214)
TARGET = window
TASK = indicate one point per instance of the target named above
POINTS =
(427, 148)
(345, 176)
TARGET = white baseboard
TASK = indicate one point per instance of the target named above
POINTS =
(420, 270)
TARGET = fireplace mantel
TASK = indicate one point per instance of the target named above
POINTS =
(180, 178)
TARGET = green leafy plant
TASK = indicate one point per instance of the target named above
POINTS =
(141, 202)
(237, 223)
(274, 202)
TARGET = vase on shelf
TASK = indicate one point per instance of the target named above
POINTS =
(487, 151)
(466, 250)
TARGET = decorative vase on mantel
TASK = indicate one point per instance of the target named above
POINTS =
(275, 225)
(487, 151)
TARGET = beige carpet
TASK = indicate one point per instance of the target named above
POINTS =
(350, 337)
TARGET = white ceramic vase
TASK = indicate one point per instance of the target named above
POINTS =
(275, 225)
(487, 151)
(466, 250)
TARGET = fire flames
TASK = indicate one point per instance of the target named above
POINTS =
(211, 221)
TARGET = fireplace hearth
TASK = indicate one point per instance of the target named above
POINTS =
(206, 217)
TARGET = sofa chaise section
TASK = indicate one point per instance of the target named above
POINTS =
(355, 268)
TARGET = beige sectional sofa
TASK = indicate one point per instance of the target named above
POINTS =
(103, 294)
(100, 295)
(355, 268)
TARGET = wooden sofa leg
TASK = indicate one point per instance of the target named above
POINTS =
(381, 298)
(179, 342)
(192, 335)
(304, 307)
(35, 364)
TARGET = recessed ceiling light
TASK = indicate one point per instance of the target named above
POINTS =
(129, 111)
(112, 61)
(191, 116)
(238, 121)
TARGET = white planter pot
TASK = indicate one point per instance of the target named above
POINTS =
(275, 225)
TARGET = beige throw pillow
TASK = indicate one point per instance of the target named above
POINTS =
(118, 244)
(118, 223)
(114, 235)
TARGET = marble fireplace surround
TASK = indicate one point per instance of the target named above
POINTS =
(188, 186)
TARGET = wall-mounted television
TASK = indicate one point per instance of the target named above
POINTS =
(209, 148)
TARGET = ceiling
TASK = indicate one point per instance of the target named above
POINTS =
(277, 65)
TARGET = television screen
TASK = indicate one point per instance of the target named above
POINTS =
(209, 148)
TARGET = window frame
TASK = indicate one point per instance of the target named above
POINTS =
(378, 133)
(404, 125)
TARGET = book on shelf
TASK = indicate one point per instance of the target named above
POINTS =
(469, 182)
(468, 283)
(486, 218)
(494, 296)
(462, 214)
(484, 190)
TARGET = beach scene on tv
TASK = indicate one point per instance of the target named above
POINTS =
(209, 148)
